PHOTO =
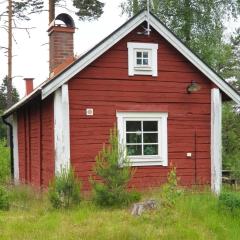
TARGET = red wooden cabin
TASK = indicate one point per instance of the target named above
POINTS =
(165, 102)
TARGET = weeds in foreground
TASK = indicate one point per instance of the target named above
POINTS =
(64, 191)
(170, 190)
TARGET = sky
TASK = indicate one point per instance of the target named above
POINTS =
(31, 51)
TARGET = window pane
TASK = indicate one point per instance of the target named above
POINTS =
(134, 137)
(133, 126)
(150, 126)
(145, 61)
(150, 149)
(139, 61)
(150, 138)
(139, 54)
(134, 150)
(145, 54)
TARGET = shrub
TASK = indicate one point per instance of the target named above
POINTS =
(170, 190)
(4, 162)
(230, 138)
(112, 166)
(4, 199)
(230, 200)
(64, 191)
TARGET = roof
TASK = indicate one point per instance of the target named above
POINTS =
(48, 87)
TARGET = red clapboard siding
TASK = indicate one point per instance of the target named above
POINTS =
(106, 87)
(35, 140)
(47, 137)
(21, 145)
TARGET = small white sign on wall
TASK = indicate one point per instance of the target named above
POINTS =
(89, 111)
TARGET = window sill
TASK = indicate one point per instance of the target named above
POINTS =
(134, 162)
(143, 68)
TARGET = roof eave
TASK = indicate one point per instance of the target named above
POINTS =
(23, 101)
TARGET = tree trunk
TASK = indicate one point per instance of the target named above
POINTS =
(51, 7)
(9, 80)
(187, 21)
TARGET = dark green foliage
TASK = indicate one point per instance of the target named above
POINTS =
(231, 139)
(235, 61)
(4, 162)
(112, 190)
(64, 191)
(230, 200)
(3, 105)
(23, 9)
(170, 190)
(4, 199)
(3, 95)
(88, 9)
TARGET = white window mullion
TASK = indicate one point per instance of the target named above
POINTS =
(145, 160)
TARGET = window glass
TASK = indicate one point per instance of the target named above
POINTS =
(142, 58)
(132, 126)
(145, 54)
(139, 54)
(134, 137)
(150, 138)
(142, 138)
(134, 150)
(151, 149)
(150, 126)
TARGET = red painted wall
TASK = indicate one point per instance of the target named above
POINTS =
(106, 87)
(36, 142)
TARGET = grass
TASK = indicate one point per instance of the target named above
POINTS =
(195, 216)
(4, 161)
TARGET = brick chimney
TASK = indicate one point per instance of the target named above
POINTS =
(28, 85)
(60, 41)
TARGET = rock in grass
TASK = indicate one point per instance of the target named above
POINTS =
(139, 208)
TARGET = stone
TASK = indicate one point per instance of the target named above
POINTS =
(139, 208)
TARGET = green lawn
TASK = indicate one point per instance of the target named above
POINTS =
(195, 216)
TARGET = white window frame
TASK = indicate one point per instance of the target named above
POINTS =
(152, 160)
(133, 68)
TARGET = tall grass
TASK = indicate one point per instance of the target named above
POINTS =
(194, 216)
(4, 162)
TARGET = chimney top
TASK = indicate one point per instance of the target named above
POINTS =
(60, 32)
(28, 85)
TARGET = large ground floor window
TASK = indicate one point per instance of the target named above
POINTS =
(144, 137)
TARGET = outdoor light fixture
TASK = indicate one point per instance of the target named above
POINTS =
(193, 87)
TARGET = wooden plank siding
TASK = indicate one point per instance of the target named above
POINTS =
(35, 142)
(106, 87)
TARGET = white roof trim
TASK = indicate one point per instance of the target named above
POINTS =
(50, 86)
(162, 30)
(19, 103)
(79, 65)
(194, 59)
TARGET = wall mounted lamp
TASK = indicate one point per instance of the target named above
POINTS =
(193, 87)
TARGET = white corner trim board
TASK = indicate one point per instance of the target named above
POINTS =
(216, 140)
(15, 149)
(61, 129)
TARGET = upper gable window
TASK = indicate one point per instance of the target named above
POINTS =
(142, 59)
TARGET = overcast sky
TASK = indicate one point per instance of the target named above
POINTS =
(31, 53)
